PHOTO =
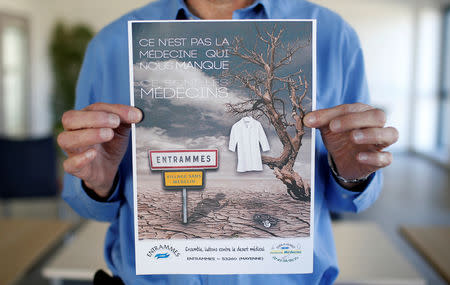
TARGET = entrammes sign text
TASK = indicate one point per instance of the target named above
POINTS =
(183, 159)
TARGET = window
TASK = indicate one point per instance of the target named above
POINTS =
(14, 77)
(444, 93)
(426, 102)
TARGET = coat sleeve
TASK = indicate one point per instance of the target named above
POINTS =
(233, 139)
(263, 138)
(88, 89)
(354, 89)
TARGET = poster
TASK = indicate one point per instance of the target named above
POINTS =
(223, 167)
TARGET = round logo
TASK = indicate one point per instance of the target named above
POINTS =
(286, 252)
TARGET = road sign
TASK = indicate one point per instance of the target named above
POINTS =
(183, 169)
(184, 179)
(184, 159)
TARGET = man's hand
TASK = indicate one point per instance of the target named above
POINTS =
(355, 137)
(95, 140)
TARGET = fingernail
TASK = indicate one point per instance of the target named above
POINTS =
(358, 136)
(363, 157)
(90, 154)
(135, 115)
(335, 125)
(383, 159)
(311, 119)
(114, 120)
(105, 133)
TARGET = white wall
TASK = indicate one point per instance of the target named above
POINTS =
(96, 13)
(42, 15)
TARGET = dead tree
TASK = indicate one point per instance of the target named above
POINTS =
(276, 96)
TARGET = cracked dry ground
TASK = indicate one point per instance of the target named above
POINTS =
(224, 209)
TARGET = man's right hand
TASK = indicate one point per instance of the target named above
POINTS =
(95, 140)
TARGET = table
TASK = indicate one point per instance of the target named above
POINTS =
(24, 241)
(366, 256)
(81, 257)
(433, 243)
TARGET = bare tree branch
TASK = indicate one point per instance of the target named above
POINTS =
(268, 91)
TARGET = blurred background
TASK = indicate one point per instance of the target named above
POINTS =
(406, 45)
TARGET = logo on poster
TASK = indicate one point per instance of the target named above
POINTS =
(162, 255)
(163, 251)
(286, 252)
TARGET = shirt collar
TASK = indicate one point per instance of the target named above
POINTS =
(267, 6)
(183, 13)
(248, 119)
(177, 9)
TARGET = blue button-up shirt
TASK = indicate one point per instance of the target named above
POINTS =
(340, 79)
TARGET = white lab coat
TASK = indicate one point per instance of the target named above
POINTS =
(248, 134)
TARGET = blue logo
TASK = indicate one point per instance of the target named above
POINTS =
(162, 255)
(163, 252)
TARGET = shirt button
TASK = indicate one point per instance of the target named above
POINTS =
(345, 196)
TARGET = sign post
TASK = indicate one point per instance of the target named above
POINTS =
(183, 170)
(183, 180)
(185, 206)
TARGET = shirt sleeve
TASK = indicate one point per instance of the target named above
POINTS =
(75, 195)
(354, 89)
(233, 139)
(262, 138)
(340, 199)
(89, 87)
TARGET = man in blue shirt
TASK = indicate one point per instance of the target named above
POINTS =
(96, 137)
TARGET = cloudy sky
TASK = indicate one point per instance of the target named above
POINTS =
(193, 123)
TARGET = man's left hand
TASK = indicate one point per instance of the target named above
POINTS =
(355, 136)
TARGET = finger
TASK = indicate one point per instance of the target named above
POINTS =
(380, 136)
(75, 164)
(72, 140)
(377, 159)
(75, 120)
(127, 114)
(374, 118)
(321, 118)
